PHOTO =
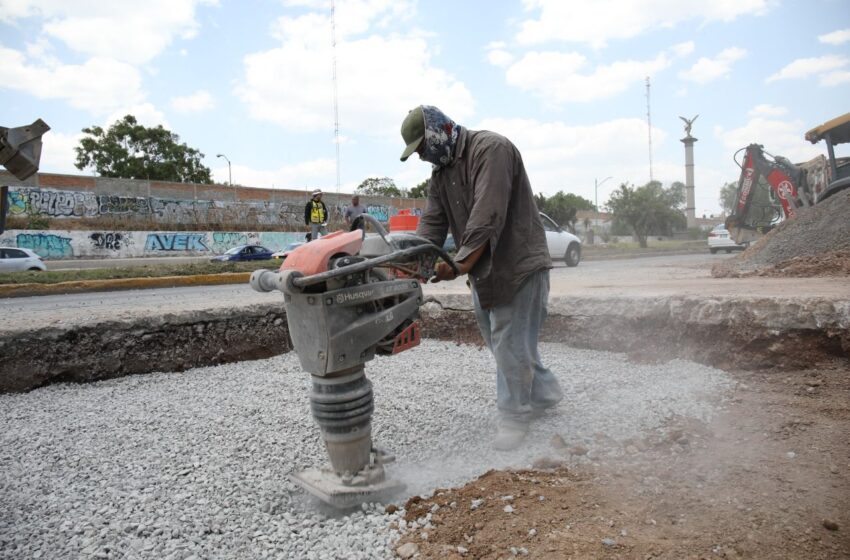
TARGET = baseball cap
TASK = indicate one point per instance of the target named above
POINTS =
(412, 131)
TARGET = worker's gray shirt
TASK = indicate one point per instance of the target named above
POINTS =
(484, 196)
(354, 212)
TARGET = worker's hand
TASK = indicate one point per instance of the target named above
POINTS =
(444, 271)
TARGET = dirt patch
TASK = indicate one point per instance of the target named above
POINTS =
(769, 478)
(816, 243)
(834, 263)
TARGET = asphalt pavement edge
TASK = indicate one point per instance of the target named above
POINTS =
(81, 286)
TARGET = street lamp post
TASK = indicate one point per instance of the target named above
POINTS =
(596, 191)
(229, 174)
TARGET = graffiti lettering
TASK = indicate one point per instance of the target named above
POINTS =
(379, 212)
(46, 245)
(176, 242)
(122, 205)
(106, 240)
(224, 240)
(58, 204)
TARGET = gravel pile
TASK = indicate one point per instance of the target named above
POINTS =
(819, 230)
(195, 464)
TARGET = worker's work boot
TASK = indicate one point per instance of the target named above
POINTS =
(509, 435)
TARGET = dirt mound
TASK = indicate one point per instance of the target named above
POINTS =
(767, 479)
(836, 263)
(816, 243)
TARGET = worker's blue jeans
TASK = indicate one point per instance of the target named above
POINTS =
(511, 331)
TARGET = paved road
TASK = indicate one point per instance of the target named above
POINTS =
(646, 277)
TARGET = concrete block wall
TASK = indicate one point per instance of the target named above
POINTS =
(71, 244)
(75, 196)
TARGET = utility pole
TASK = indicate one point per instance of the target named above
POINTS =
(336, 97)
(649, 128)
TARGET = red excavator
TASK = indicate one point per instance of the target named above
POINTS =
(772, 189)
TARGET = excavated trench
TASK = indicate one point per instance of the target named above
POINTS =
(733, 333)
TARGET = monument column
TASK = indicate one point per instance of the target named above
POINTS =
(688, 141)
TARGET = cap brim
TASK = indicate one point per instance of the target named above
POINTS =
(408, 151)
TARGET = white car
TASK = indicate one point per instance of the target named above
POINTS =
(13, 259)
(281, 255)
(563, 245)
(720, 240)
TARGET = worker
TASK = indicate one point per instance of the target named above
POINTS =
(480, 192)
(352, 214)
(316, 215)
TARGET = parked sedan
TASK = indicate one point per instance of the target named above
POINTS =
(563, 245)
(244, 253)
(13, 259)
(720, 240)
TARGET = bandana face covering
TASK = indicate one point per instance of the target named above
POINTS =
(441, 134)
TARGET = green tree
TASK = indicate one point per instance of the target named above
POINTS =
(132, 151)
(379, 186)
(420, 190)
(562, 207)
(728, 196)
(650, 209)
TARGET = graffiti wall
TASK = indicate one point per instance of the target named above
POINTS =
(50, 203)
(71, 244)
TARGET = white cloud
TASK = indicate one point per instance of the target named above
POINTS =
(98, 86)
(379, 78)
(596, 23)
(57, 152)
(807, 67)
(767, 110)
(559, 156)
(683, 49)
(499, 57)
(123, 29)
(779, 137)
(836, 37)
(835, 78)
(307, 173)
(561, 77)
(707, 70)
(196, 102)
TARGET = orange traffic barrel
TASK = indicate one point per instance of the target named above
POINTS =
(405, 220)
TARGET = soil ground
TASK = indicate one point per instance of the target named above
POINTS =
(768, 478)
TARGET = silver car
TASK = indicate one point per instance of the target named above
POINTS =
(13, 259)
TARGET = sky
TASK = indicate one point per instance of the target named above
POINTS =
(564, 80)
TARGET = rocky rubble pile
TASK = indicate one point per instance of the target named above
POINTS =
(816, 243)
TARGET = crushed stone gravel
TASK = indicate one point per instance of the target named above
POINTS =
(822, 231)
(195, 464)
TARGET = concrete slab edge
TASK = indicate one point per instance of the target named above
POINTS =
(748, 333)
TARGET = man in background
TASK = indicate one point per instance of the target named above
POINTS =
(479, 190)
(353, 213)
(316, 215)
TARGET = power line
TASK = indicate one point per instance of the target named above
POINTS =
(336, 97)
(649, 128)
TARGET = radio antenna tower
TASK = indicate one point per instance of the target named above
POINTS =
(649, 128)
(336, 97)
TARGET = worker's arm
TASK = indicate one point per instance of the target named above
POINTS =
(444, 272)
(433, 224)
